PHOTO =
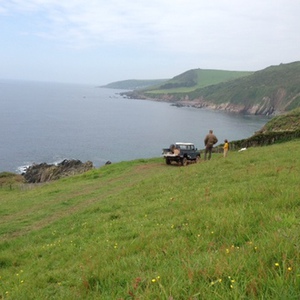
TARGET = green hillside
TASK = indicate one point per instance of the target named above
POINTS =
(287, 122)
(185, 82)
(273, 90)
(279, 83)
(195, 79)
(220, 229)
(132, 84)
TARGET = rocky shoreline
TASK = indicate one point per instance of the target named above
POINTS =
(265, 108)
(262, 110)
(38, 173)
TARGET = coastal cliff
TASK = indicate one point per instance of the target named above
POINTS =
(271, 91)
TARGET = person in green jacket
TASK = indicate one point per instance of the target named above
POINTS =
(209, 141)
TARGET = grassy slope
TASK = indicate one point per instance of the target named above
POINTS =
(287, 122)
(251, 89)
(279, 83)
(195, 79)
(223, 229)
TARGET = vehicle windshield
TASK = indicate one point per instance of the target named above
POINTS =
(186, 147)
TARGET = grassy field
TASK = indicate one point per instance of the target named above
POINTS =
(200, 79)
(220, 229)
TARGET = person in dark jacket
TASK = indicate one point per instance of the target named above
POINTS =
(209, 142)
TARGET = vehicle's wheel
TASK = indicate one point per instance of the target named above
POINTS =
(184, 161)
(168, 162)
(197, 159)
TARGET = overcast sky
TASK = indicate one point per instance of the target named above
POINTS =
(102, 41)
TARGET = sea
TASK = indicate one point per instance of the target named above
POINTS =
(49, 122)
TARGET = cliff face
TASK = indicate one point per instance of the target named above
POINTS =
(275, 104)
(266, 106)
(271, 91)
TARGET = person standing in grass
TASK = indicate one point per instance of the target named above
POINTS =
(209, 142)
(226, 148)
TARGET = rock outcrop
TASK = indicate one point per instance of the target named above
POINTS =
(44, 172)
(264, 108)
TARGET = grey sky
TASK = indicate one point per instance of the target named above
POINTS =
(98, 42)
